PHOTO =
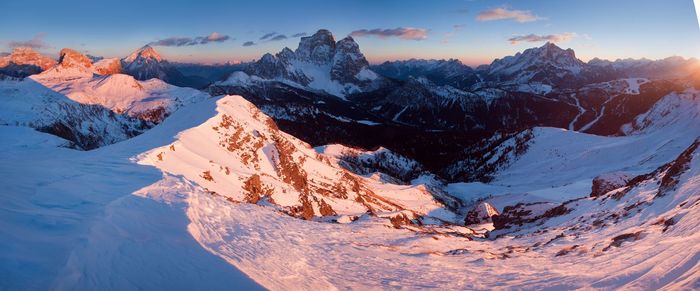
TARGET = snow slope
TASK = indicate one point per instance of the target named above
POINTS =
(28, 103)
(69, 220)
(150, 100)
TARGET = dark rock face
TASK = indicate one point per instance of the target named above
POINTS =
(318, 48)
(348, 61)
(608, 182)
(523, 213)
(480, 213)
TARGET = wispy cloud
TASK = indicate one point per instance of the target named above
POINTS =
(278, 37)
(267, 35)
(273, 36)
(502, 13)
(563, 37)
(407, 33)
(299, 34)
(248, 43)
(190, 41)
(37, 42)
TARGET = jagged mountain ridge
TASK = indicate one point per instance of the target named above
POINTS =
(319, 63)
(24, 61)
(152, 100)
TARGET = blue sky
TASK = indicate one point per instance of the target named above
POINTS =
(474, 31)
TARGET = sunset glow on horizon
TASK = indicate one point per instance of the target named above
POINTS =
(475, 32)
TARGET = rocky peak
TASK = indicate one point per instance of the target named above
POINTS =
(268, 58)
(552, 52)
(318, 48)
(348, 46)
(71, 58)
(145, 53)
(286, 54)
(348, 61)
(27, 56)
(548, 63)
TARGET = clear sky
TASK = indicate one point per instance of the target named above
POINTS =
(474, 31)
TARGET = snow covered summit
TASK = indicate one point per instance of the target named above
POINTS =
(319, 63)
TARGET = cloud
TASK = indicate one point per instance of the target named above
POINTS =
(37, 42)
(266, 36)
(248, 43)
(279, 37)
(273, 36)
(407, 33)
(539, 38)
(299, 34)
(190, 41)
(217, 37)
(502, 13)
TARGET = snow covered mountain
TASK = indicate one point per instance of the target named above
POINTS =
(76, 77)
(319, 63)
(548, 64)
(28, 103)
(24, 61)
(442, 72)
(145, 63)
(241, 155)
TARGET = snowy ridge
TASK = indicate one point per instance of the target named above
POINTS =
(241, 155)
(28, 103)
(676, 110)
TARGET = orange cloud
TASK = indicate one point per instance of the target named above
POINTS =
(503, 13)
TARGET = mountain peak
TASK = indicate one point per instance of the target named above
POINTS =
(145, 52)
(72, 58)
(531, 64)
(24, 61)
(28, 56)
(318, 48)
